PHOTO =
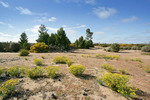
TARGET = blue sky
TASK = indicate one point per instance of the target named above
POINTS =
(111, 21)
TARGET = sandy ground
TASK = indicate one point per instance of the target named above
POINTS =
(69, 87)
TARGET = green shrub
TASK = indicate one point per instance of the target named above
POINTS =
(8, 87)
(26, 58)
(14, 71)
(136, 59)
(146, 49)
(108, 67)
(109, 50)
(39, 47)
(118, 83)
(106, 57)
(38, 62)
(122, 71)
(115, 47)
(23, 52)
(35, 72)
(42, 57)
(77, 70)
(53, 71)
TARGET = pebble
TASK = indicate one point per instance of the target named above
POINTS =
(53, 96)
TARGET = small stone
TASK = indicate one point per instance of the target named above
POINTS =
(53, 96)
(86, 90)
(59, 79)
(85, 94)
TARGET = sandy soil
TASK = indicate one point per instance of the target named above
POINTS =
(69, 87)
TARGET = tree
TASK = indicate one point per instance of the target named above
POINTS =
(89, 34)
(81, 42)
(76, 44)
(23, 41)
(44, 36)
(115, 47)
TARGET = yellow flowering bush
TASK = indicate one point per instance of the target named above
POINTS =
(14, 71)
(8, 87)
(106, 57)
(62, 60)
(38, 62)
(35, 72)
(53, 71)
(76, 69)
(118, 83)
(108, 67)
(39, 47)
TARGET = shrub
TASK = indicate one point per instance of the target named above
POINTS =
(42, 57)
(147, 69)
(77, 70)
(14, 71)
(39, 47)
(23, 52)
(35, 72)
(122, 71)
(8, 87)
(118, 83)
(134, 48)
(106, 57)
(38, 62)
(1, 71)
(108, 67)
(15, 47)
(53, 71)
(146, 49)
(62, 60)
(137, 59)
(69, 62)
(115, 47)
(109, 50)
(26, 58)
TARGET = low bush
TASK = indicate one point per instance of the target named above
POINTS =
(136, 59)
(118, 83)
(62, 60)
(77, 70)
(14, 71)
(134, 48)
(38, 62)
(8, 87)
(115, 47)
(35, 72)
(39, 47)
(106, 57)
(146, 49)
(1, 71)
(122, 71)
(42, 57)
(26, 58)
(23, 52)
(53, 71)
(147, 69)
(108, 67)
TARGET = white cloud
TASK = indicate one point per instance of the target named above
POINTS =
(9, 25)
(34, 29)
(81, 26)
(24, 11)
(103, 12)
(99, 33)
(4, 4)
(64, 25)
(92, 2)
(45, 19)
(5, 35)
(52, 19)
(131, 19)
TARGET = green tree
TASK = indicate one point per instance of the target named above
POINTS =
(43, 36)
(76, 44)
(89, 34)
(81, 42)
(115, 47)
(23, 41)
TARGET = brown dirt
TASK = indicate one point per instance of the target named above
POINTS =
(69, 87)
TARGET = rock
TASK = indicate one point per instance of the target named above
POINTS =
(86, 90)
(53, 96)
(85, 94)
(59, 80)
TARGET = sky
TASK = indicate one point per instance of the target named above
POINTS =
(111, 21)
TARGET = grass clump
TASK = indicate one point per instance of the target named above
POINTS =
(35, 72)
(25, 58)
(107, 57)
(108, 67)
(69, 62)
(53, 71)
(42, 57)
(77, 70)
(14, 71)
(122, 71)
(8, 87)
(118, 83)
(23, 52)
(38, 62)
